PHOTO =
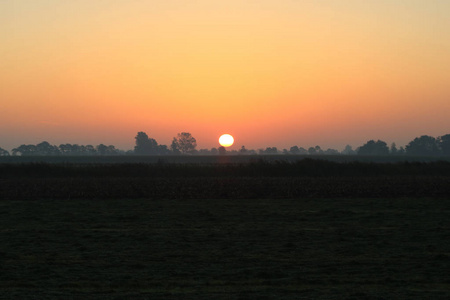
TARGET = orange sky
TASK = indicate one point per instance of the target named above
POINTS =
(271, 73)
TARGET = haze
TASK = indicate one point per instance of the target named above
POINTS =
(271, 73)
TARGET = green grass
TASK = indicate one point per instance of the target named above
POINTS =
(385, 248)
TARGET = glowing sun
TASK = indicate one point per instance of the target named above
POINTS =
(226, 140)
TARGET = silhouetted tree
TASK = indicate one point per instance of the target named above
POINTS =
(163, 150)
(331, 152)
(271, 150)
(393, 149)
(348, 150)
(297, 150)
(185, 142)
(101, 149)
(243, 150)
(65, 149)
(145, 145)
(374, 148)
(174, 147)
(315, 150)
(45, 149)
(444, 144)
(222, 150)
(312, 150)
(3, 152)
(111, 150)
(294, 150)
(76, 150)
(318, 150)
(24, 150)
(214, 151)
(424, 145)
(302, 151)
(90, 150)
(204, 152)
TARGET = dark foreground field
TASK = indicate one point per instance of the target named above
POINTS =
(384, 248)
(308, 229)
(306, 178)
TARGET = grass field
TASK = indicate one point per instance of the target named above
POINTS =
(395, 248)
(310, 229)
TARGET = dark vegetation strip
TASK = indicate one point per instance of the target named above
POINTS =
(302, 179)
(260, 168)
(223, 187)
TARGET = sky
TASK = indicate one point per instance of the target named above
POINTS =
(270, 73)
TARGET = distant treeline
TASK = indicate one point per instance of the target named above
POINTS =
(185, 143)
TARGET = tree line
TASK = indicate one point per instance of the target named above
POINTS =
(185, 144)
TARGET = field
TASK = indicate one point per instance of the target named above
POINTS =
(226, 249)
(310, 230)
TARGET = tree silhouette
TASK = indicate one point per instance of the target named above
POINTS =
(174, 146)
(374, 148)
(444, 144)
(24, 150)
(145, 145)
(331, 151)
(102, 149)
(76, 150)
(270, 150)
(184, 142)
(294, 150)
(214, 151)
(222, 150)
(312, 150)
(393, 149)
(424, 145)
(46, 149)
(162, 149)
(348, 150)
(3, 152)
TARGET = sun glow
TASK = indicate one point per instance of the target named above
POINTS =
(226, 140)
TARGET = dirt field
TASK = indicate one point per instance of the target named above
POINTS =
(385, 248)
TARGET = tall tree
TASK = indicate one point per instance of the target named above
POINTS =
(444, 144)
(174, 146)
(145, 145)
(185, 142)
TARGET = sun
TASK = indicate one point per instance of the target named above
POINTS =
(226, 140)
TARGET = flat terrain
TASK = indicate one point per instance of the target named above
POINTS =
(214, 159)
(355, 248)
(306, 178)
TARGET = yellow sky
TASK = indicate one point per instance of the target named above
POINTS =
(272, 73)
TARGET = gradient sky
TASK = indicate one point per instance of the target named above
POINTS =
(271, 73)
